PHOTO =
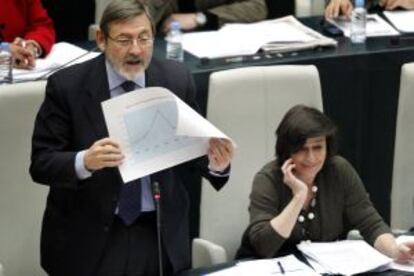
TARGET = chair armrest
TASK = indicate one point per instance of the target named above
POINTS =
(206, 253)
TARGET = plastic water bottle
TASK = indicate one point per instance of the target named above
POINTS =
(174, 39)
(359, 22)
(6, 63)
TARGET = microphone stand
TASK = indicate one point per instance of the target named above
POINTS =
(157, 196)
(48, 73)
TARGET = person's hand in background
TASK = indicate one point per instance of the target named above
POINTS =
(24, 53)
(393, 4)
(338, 7)
(187, 21)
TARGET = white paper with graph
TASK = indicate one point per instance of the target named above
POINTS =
(156, 130)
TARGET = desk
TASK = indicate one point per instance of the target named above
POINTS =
(205, 270)
(360, 86)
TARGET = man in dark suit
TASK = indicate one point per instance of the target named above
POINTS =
(94, 224)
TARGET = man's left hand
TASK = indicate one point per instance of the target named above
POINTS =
(220, 153)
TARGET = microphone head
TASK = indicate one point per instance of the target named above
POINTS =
(156, 190)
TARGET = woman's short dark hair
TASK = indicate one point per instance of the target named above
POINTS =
(300, 123)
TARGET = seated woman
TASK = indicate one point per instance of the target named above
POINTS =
(310, 193)
(26, 25)
(337, 7)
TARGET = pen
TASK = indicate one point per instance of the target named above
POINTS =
(281, 267)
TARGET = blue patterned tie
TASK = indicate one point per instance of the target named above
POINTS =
(130, 197)
(128, 86)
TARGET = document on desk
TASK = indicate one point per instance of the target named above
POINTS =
(156, 130)
(346, 257)
(60, 56)
(376, 26)
(402, 20)
(287, 266)
(278, 35)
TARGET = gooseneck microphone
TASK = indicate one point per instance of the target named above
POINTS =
(47, 74)
(157, 197)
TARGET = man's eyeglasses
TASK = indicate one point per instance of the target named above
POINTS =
(142, 42)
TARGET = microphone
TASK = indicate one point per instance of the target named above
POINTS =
(47, 74)
(157, 196)
(400, 41)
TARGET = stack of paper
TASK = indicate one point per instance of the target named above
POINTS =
(279, 35)
(308, 38)
(402, 20)
(288, 265)
(346, 257)
(62, 54)
(376, 26)
(156, 130)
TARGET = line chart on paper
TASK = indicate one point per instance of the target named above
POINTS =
(152, 131)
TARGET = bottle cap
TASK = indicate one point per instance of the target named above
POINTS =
(5, 46)
(359, 3)
(175, 25)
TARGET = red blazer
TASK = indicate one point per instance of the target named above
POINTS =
(26, 19)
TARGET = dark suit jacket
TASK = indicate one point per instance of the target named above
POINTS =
(79, 214)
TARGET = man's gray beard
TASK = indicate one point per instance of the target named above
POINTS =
(126, 75)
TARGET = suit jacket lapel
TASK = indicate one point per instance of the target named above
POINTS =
(155, 76)
(97, 88)
(151, 77)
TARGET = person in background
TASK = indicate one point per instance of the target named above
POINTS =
(26, 25)
(310, 193)
(204, 14)
(71, 18)
(94, 223)
(344, 7)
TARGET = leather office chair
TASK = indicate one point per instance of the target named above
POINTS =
(21, 201)
(402, 195)
(305, 8)
(247, 104)
(100, 5)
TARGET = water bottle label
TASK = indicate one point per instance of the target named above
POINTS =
(174, 43)
(358, 25)
(6, 67)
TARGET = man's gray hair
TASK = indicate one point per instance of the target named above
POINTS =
(122, 10)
